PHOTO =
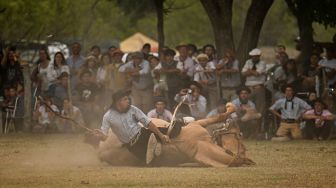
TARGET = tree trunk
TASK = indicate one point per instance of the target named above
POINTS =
(220, 15)
(306, 40)
(160, 22)
(27, 96)
(252, 27)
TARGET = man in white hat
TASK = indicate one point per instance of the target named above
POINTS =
(254, 71)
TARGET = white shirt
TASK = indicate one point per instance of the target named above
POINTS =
(197, 107)
(187, 65)
(53, 73)
(200, 75)
(255, 80)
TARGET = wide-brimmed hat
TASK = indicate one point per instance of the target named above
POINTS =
(120, 94)
(255, 52)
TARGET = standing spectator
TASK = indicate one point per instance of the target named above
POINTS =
(254, 70)
(287, 73)
(205, 75)
(291, 108)
(95, 51)
(247, 114)
(228, 69)
(196, 102)
(185, 63)
(40, 73)
(142, 84)
(11, 73)
(160, 111)
(192, 51)
(311, 74)
(115, 79)
(160, 81)
(319, 121)
(171, 72)
(75, 61)
(279, 49)
(210, 51)
(56, 68)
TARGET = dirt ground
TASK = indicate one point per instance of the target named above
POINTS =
(63, 160)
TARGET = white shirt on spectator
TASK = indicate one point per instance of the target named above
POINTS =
(187, 65)
(197, 107)
(201, 75)
(255, 80)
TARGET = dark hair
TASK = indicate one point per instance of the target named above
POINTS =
(192, 47)
(63, 74)
(169, 52)
(147, 45)
(209, 45)
(46, 52)
(153, 57)
(281, 46)
(95, 46)
(319, 100)
(101, 63)
(63, 59)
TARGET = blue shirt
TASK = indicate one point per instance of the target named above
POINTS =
(144, 79)
(124, 125)
(238, 105)
(290, 109)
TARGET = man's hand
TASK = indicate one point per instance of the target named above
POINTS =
(99, 134)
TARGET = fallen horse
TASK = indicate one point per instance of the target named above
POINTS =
(221, 147)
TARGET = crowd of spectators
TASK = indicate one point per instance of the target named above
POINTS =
(80, 87)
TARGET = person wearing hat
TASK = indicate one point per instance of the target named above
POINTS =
(124, 118)
(169, 70)
(160, 111)
(142, 84)
(197, 103)
(254, 71)
(318, 121)
(205, 75)
(291, 109)
(247, 115)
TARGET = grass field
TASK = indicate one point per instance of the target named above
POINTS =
(28, 160)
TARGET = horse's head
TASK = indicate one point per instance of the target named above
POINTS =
(231, 138)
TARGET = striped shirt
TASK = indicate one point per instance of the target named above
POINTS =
(124, 125)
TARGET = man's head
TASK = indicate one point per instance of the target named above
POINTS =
(153, 61)
(76, 48)
(243, 93)
(12, 92)
(146, 48)
(169, 55)
(255, 55)
(196, 88)
(209, 50)
(183, 50)
(160, 104)
(95, 51)
(137, 57)
(289, 91)
(43, 55)
(121, 100)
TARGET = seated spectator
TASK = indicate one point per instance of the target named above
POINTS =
(287, 73)
(87, 98)
(196, 102)
(90, 65)
(14, 108)
(46, 120)
(247, 115)
(318, 121)
(291, 109)
(61, 90)
(72, 112)
(160, 110)
(221, 108)
(205, 75)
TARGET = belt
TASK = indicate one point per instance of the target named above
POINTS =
(289, 121)
(134, 139)
(256, 86)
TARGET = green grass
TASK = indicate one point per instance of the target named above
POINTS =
(55, 160)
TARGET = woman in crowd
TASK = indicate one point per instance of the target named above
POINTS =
(59, 65)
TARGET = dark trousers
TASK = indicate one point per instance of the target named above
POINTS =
(312, 131)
